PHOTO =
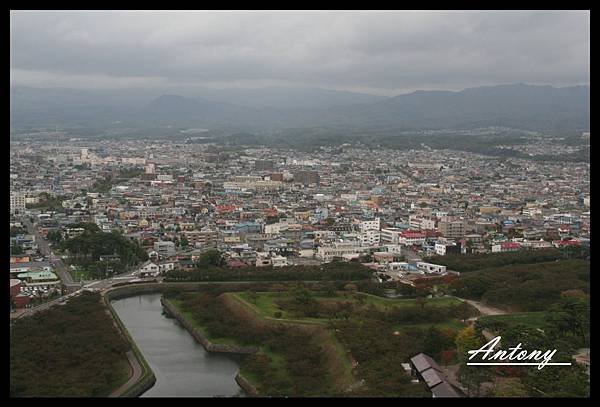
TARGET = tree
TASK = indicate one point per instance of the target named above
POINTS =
(512, 387)
(473, 376)
(464, 311)
(571, 315)
(434, 342)
(421, 301)
(211, 257)
(466, 340)
(447, 356)
(184, 242)
(54, 236)
(16, 250)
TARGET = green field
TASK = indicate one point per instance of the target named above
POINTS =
(530, 319)
(454, 324)
(79, 274)
(265, 304)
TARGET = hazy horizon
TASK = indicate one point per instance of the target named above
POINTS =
(377, 53)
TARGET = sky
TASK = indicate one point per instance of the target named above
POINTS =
(384, 53)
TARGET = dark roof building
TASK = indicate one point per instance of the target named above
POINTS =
(427, 370)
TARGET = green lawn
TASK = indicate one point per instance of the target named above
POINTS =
(80, 274)
(264, 303)
(454, 324)
(531, 319)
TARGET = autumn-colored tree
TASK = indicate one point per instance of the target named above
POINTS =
(447, 356)
(466, 340)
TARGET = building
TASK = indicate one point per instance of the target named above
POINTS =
(370, 237)
(17, 203)
(431, 268)
(263, 165)
(409, 238)
(307, 177)
(391, 235)
(201, 238)
(38, 280)
(426, 369)
(17, 298)
(506, 247)
(149, 269)
(452, 230)
(421, 223)
(442, 249)
(164, 248)
(370, 225)
(337, 250)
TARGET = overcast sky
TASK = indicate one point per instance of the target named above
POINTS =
(384, 53)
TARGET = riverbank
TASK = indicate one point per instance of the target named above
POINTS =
(201, 338)
(246, 385)
(146, 378)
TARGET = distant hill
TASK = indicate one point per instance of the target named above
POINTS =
(519, 106)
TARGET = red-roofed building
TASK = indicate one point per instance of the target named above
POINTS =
(410, 238)
(563, 243)
(225, 208)
(506, 247)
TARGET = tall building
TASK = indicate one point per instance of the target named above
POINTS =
(150, 172)
(17, 203)
(307, 177)
(452, 230)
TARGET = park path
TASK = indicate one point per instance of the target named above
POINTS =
(484, 309)
(136, 375)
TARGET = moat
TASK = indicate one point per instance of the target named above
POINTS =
(183, 368)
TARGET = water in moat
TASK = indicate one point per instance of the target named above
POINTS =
(183, 368)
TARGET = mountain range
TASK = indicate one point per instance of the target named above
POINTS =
(522, 106)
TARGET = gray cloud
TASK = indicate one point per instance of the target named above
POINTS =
(378, 52)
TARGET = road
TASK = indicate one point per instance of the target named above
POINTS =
(57, 264)
(484, 310)
(135, 376)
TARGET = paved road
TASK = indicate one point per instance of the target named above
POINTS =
(57, 264)
(135, 376)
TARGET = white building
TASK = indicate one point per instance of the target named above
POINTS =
(165, 248)
(431, 268)
(279, 261)
(338, 249)
(370, 225)
(370, 237)
(421, 223)
(17, 203)
(391, 235)
(149, 269)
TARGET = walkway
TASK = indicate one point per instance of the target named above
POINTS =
(136, 375)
